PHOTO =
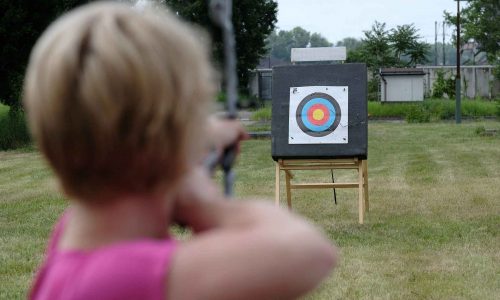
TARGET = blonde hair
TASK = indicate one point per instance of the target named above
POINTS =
(116, 99)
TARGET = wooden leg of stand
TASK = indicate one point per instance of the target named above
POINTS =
(277, 191)
(288, 191)
(365, 183)
(361, 201)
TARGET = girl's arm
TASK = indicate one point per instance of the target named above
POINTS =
(243, 250)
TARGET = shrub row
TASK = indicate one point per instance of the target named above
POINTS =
(433, 109)
(13, 130)
(262, 114)
(417, 112)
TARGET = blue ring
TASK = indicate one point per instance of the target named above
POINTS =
(329, 122)
(318, 98)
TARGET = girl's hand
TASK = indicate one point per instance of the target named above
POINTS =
(224, 133)
(195, 190)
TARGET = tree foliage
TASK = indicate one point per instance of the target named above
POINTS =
(376, 47)
(352, 46)
(21, 23)
(382, 48)
(404, 40)
(350, 43)
(317, 40)
(480, 22)
(253, 21)
(280, 43)
(443, 86)
(396, 47)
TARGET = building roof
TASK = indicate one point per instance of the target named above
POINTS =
(401, 71)
(268, 62)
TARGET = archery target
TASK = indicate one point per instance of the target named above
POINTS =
(318, 115)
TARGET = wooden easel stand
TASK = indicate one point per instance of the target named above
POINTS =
(288, 165)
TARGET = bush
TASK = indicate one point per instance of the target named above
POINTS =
(243, 101)
(262, 114)
(373, 89)
(443, 86)
(13, 130)
(417, 114)
(247, 101)
(497, 111)
(480, 130)
(387, 110)
(476, 109)
(440, 109)
(435, 109)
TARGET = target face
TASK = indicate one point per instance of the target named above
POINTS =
(318, 115)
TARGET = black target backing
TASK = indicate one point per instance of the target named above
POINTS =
(352, 75)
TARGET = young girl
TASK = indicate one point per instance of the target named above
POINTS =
(116, 101)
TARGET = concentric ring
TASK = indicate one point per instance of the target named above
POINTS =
(318, 114)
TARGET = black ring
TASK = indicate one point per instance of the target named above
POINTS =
(330, 129)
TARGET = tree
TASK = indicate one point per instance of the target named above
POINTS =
(317, 40)
(388, 48)
(377, 48)
(21, 24)
(402, 39)
(253, 21)
(480, 22)
(407, 49)
(418, 54)
(300, 37)
(352, 46)
(350, 43)
(397, 47)
(281, 42)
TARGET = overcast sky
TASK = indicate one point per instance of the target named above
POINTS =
(337, 19)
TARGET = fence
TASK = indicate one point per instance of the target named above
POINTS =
(477, 81)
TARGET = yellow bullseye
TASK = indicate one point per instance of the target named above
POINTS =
(318, 114)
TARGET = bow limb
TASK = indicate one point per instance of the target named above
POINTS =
(221, 12)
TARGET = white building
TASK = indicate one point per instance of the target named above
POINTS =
(401, 85)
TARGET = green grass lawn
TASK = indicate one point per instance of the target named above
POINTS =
(432, 231)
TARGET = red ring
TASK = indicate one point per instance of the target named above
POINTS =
(325, 118)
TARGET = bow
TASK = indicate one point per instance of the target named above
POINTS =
(221, 12)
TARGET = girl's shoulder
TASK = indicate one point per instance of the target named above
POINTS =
(129, 270)
(126, 270)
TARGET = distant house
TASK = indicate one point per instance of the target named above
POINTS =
(401, 84)
(261, 79)
(260, 83)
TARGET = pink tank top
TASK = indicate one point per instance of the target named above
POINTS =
(129, 270)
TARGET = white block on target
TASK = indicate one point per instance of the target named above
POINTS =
(319, 54)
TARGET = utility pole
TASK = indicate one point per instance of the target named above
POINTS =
(444, 49)
(458, 111)
(435, 43)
